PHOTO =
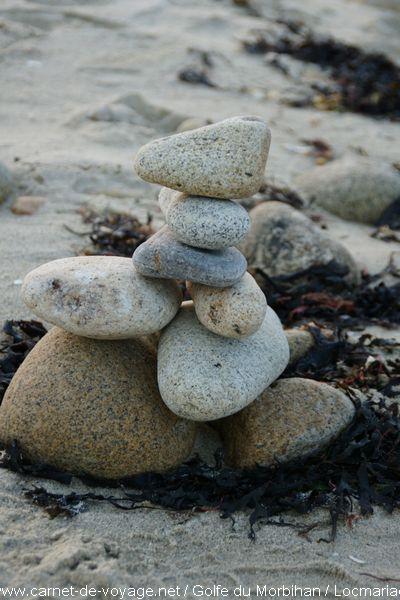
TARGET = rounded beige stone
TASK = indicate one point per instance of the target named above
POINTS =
(233, 312)
(101, 297)
(222, 160)
(93, 407)
(300, 342)
(292, 419)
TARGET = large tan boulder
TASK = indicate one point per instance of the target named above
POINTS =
(93, 407)
(292, 419)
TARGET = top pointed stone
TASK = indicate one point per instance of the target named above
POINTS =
(224, 160)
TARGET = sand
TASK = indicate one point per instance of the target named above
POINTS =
(84, 83)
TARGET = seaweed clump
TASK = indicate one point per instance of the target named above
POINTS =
(19, 339)
(362, 465)
(114, 233)
(364, 82)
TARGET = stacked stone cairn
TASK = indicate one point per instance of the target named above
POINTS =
(96, 396)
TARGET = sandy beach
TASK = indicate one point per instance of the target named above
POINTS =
(84, 85)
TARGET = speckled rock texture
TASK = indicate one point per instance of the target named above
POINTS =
(292, 419)
(355, 189)
(164, 256)
(233, 312)
(6, 183)
(204, 222)
(101, 297)
(225, 160)
(93, 407)
(300, 342)
(282, 241)
(203, 376)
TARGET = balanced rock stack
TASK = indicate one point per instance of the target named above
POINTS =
(225, 348)
(92, 397)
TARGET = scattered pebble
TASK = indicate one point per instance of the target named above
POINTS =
(27, 205)
(356, 189)
(283, 241)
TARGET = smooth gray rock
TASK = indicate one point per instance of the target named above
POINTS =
(102, 297)
(164, 256)
(223, 160)
(290, 420)
(234, 312)
(353, 189)
(202, 222)
(282, 241)
(203, 376)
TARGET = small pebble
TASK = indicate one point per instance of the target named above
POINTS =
(233, 312)
(27, 205)
(203, 222)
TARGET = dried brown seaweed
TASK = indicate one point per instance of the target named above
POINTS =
(362, 82)
(114, 233)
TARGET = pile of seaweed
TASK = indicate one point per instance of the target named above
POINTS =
(322, 293)
(19, 337)
(364, 82)
(362, 465)
(115, 233)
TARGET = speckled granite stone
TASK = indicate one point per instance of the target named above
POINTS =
(164, 256)
(102, 297)
(204, 222)
(93, 407)
(357, 189)
(234, 312)
(291, 419)
(223, 160)
(203, 376)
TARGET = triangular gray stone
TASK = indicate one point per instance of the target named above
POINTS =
(224, 160)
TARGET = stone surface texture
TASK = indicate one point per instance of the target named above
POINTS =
(203, 376)
(355, 189)
(225, 160)
(164, 256)
(282, 241)
(300, 342)
(233, 312)
(102, 297)
(290, 420)
(93, 407)
(203, 222)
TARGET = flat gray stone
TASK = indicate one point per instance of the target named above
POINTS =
(203, 222)
(164, 256)
(353, 189)
(223, 160)
(101, 297)
(203, 376)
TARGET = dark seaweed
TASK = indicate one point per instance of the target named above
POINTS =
(115, 234)
(367, 83)
(19, 339)
(269, 191)
(321, 292)
(363, 464)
